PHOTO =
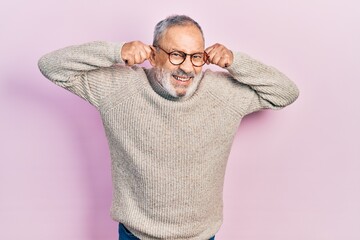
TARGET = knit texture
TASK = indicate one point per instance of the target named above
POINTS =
(168, 156)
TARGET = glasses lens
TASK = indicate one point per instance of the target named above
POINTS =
(177, 57)
(198, 59)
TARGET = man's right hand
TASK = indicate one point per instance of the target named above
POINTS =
(135, 52)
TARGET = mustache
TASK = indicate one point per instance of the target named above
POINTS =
(180, 72)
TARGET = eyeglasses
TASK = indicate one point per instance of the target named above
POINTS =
(178, 57)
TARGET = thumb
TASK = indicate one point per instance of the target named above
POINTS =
(209, 49)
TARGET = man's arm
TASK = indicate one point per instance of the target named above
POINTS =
(78, 68)
(271, 88)
(89, 71)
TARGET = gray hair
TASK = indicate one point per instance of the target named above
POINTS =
(173, 20)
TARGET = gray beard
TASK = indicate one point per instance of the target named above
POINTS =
(164, 78)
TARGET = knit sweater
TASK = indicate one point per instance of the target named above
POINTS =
(168, 156)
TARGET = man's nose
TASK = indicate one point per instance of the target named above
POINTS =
(187, 65)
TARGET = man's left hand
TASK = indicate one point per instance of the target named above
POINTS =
(218, 54)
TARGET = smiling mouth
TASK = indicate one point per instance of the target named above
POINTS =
(182, 78)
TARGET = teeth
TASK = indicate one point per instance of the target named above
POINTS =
(183, 79)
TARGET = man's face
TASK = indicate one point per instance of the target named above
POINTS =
(183, 79)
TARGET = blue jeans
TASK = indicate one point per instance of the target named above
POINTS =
(125, 234)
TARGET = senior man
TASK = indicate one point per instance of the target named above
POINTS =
(169, 127)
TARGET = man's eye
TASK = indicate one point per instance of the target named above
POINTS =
(198, 56)
(176, 54)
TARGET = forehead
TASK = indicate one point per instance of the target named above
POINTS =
(186, 38)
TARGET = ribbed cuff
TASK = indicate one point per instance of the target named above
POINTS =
(117, 52)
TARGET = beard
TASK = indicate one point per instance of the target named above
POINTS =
(168, 82)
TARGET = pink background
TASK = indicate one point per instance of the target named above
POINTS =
(292, 174)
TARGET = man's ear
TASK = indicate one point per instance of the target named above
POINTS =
(152, 58)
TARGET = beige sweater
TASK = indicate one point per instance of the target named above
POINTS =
(168, 156)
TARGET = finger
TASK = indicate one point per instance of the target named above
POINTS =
(207, 59)
(223, 62)
(227, 58)
(137, 58)
(215, 51)
(211, 55)
(216, 58)
(129, 62)
(148, 51)
(209, 49)
(227, 54)
(143, 56)
(125, 58)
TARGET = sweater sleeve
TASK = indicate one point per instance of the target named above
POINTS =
(86, 70)
(268, 87)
